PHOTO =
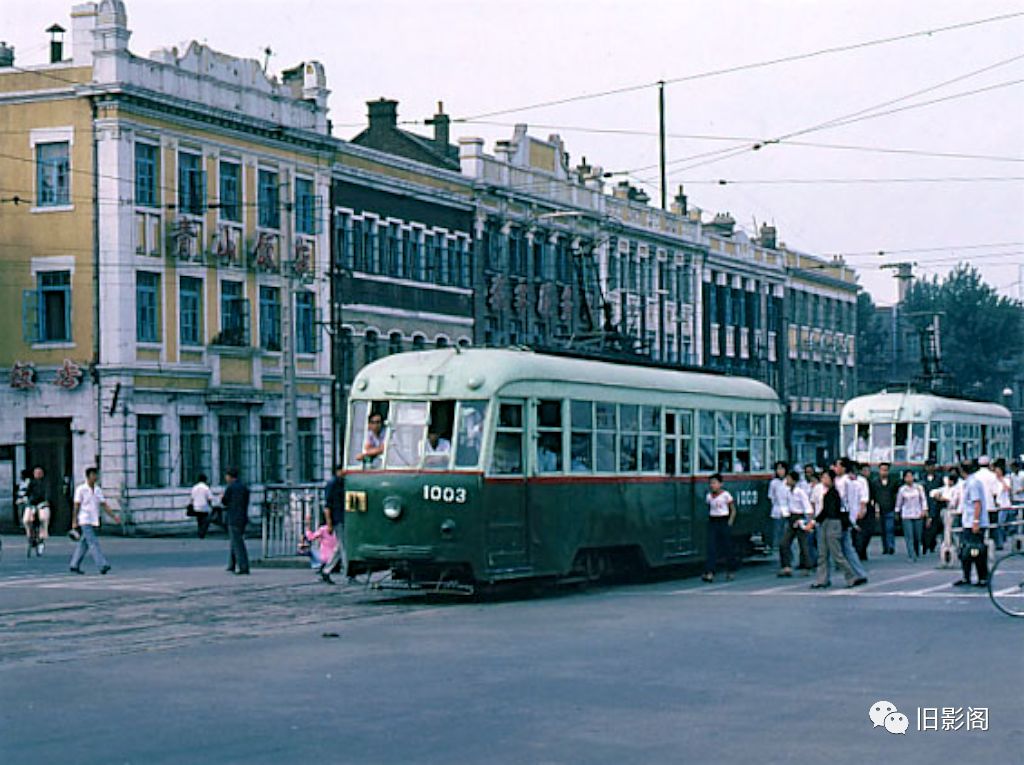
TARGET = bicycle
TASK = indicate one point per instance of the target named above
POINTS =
(1006, 584)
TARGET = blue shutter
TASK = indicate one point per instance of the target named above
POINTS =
(30, 316)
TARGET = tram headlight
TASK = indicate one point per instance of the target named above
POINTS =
(393, 508)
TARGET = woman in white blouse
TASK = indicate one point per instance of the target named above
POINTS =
(912, 505)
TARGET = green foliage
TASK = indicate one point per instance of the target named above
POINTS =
(982, 332)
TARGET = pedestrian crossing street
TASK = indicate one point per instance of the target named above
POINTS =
(889, 581)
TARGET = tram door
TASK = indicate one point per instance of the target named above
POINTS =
(678, 532)
(507, 513)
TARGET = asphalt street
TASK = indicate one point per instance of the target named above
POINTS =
(169, 659)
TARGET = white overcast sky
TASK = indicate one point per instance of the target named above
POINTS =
(487, 55)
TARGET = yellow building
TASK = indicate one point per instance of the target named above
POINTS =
(157, 215)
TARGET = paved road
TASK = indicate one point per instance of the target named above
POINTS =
(169, 659)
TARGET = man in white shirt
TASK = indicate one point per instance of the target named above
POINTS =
(797, 513)
(201, 502)
(976, 504)
(437, 450)
(89, 502)
(778, 495)
(855, 502)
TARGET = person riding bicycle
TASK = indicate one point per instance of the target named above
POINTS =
(36, 515)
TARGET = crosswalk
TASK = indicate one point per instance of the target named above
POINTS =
(891, 582)
(60, 581)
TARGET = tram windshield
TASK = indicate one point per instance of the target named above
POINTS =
(403, 435)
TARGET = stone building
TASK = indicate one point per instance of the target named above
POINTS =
(172, 204)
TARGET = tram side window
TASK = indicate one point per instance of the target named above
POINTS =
(915, 449)
(356, 431)
(900, 442)
(650, 439)
(863, 441)
(629, 426)
(407, 427)
(604, 437)
(724, 433)
(706, 443)
(367, 433)
(742, 429)
(470, 436)
(758, 442)
(677, 443)
(933, 442)
(881, 442)
(508, 440)
(581, 420)
(549, 436)
(849, 441)
(437, 449)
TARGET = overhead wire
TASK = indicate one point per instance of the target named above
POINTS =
(745, 67)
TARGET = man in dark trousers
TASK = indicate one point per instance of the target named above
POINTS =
(930, 481)
(883, 490)
(236, 510)
(334, 499)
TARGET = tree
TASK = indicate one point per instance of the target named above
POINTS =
(981, 331)
(871, 338)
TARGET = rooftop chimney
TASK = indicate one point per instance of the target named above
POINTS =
(679, 202)
(6, 54)
(56, 32)
(383, 114)
(723, 224)
(767, 236)
(442, 128)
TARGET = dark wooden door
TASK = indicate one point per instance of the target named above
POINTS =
(48, 445)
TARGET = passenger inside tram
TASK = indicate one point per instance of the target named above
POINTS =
(438, 447)
(373, 442)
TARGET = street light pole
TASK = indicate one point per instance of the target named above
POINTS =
(661, 143)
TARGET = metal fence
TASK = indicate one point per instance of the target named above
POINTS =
(288, 512)
(1012, 525)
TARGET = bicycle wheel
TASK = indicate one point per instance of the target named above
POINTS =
(1006, 584)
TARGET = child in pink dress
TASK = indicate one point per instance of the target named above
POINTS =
(328, 550)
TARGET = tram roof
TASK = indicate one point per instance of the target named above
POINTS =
(476, 372)
(911, 406)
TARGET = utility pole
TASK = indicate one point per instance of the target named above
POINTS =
(661, 143)
(291, 421)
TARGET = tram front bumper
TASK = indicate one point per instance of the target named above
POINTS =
(396, 552)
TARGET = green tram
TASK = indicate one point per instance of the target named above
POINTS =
(509, 464)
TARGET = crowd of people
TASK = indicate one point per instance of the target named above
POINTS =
(833, 514)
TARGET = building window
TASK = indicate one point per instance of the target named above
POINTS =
(269, 200)
(234, 315)
(305, 323)
(46, 310)
(270, 318)
(195, 450)
(343, 241)
(271, 450)
(191, 184)
(395, 342)
(441, 342)
(147, 307)
(419, 342)
(53, 174)
(370, 349)
(151, 448)
(190, 308)
(309, 443)
(231, 192)
(305, 207)
(146, 175)
(233, 447)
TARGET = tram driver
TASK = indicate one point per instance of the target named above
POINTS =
(437, 449)
(373, 447)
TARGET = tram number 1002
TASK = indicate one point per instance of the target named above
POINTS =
(449, 494)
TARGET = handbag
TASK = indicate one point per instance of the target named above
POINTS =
(190, 511)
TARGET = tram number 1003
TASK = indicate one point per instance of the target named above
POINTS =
(448, 494)
(746, 498)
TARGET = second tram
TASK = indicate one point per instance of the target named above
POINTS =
(907, 429)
